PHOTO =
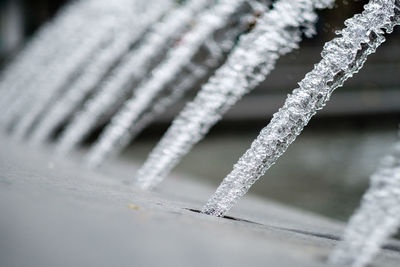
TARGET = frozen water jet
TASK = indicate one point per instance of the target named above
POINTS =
(341, 58)
(35, 56)
(28, 89)
(133, 68)
(276, 33)
(34, 50)
(118, 134)
(128, 33)
(378, 217)
(127, 27)
(69, 62)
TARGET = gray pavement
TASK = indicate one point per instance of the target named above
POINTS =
(53, 212)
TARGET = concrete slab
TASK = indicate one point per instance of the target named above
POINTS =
(53, 212)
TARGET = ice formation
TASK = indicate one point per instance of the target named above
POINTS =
(275, 34)
(128, 32)
(377, 219)
(127, 25)
(134, 67)
(35, 55)
(72, 57)
(34, 50)
(341, 58)
(72, 52)
(84, 55)
(179, 61)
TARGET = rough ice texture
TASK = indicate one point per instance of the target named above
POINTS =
(342, 57)
(377, 219)
(118, 134)
(78, 91)
(276, 33)
(71, 59)
(132, 69)
(128, 27)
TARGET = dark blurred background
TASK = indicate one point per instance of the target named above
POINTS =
(327, 169)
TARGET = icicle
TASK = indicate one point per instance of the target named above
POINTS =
(133, 67)
(35, 56)
(275, 34)
(116, 135)
(342, 57)
(128, 34)
(69, 64)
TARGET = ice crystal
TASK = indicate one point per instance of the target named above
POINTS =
(134, 68)
(341, 58)
(70, 61)
(35, 56)
(71, 100)
(275, 34)
(179, 61)
(128, 27)
(127, 35)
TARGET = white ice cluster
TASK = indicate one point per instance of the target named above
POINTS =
(72, 56)
(134, 67)
(342, 57)
(123, 125)
(125, 29)
(34, 51)
(35, 55)
(276, 33)
(127, 34)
